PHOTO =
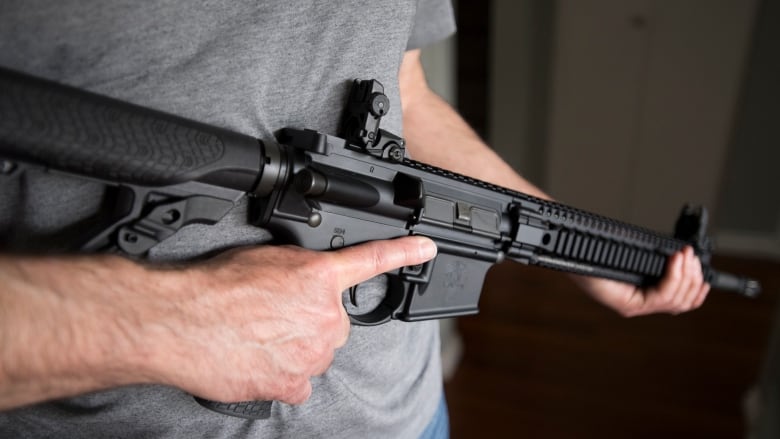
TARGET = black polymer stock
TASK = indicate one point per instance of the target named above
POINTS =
(321, 192)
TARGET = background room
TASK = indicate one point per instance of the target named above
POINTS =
(629, 109)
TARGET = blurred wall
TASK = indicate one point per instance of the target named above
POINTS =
(644, 95)
(633, 107)
(521, 33)
(749, 205)
(438, 60)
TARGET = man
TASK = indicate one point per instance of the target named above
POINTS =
(98, 345)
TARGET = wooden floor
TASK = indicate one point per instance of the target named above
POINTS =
(543, 361)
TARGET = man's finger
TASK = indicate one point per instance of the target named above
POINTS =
(661, 295)
(688, 281)
(297, 393)
(362, 262)
(697, 280)
(704, 290)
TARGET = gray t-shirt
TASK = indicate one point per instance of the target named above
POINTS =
(253, 67)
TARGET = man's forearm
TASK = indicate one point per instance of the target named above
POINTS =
(70, 325)
(436, 134)
(60, 330)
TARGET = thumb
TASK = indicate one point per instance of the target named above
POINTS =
(362, 262)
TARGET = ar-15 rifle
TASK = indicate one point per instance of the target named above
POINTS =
(323, 192)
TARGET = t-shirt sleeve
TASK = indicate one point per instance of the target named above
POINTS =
(434, 21)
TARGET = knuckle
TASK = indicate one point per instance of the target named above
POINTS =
(321, 352)
(300, 390)
(411, 253)
(680, 306)
(333, 318)
(311, 266)
(312, 354)
(324, 364)
(307, 352)
(667, 295)
(252, 389)
(378, 258)
(289, 388)
(334, 314)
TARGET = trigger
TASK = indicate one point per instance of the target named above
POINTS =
(353, 295)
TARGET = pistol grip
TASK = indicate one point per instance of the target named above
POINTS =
(255, 410)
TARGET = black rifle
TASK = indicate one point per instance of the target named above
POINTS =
(323, 192)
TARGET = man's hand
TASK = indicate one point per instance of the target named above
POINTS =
(279, 317)
(252, 323)
(681, 289)
(437, 135)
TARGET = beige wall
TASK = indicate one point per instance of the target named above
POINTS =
(749, 204)
(521, 34)
(648, 104)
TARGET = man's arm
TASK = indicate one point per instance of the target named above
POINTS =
(70, 325)
(437, 135)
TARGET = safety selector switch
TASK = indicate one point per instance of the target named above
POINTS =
(336, 242)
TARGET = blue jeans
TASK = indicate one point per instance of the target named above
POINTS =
(439, 427)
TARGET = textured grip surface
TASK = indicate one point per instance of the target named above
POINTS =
(81, 132)
(244, 409)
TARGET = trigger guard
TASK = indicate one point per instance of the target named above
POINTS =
(390, 306)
